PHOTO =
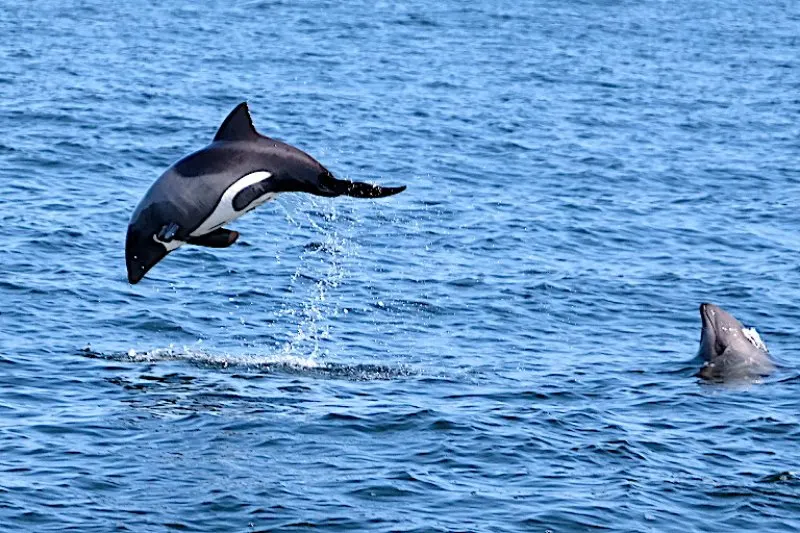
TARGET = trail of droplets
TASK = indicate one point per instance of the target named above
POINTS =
(322, 268)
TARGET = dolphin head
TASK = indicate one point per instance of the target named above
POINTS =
(142, 249)
(722, 333)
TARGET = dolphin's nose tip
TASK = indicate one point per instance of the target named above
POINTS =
(135, 273)
(133, 278)
(707, 310)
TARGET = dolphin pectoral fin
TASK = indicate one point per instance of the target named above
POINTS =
(167, 233)
(356, 189)
(219, 238)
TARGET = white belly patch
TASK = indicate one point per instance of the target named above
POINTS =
(171, 245)
(224, 212)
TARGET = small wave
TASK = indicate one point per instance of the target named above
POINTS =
(272, 363)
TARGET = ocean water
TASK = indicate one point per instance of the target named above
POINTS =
(506, 346)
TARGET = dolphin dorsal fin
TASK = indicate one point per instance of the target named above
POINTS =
(238, 126)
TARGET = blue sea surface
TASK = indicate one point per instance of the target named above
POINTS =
(509, 345)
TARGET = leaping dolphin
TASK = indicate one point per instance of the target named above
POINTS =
(728, 349)
(240, 170)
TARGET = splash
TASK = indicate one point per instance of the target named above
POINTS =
(321, 270)
(269, 363)
(193, 355)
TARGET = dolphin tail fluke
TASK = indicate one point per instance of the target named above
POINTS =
(219, 238)
(357, 189)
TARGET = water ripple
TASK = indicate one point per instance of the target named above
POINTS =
(509, 345)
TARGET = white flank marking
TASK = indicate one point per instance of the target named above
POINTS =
(224, 212)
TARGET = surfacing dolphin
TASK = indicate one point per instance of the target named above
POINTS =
(730, 350)
(240, 170)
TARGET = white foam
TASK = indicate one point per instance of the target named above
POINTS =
(224, 360)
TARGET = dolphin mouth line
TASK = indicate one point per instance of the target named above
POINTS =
(706, 314)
